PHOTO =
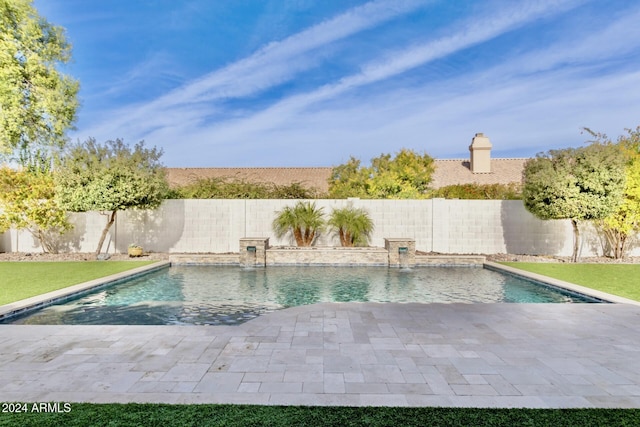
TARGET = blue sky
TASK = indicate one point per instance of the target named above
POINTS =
(310, 82)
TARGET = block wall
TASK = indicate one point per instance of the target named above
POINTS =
(216, 226)
(497, 226)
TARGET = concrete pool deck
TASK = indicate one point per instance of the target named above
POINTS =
(353, 354)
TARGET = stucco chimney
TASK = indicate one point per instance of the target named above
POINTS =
(480, 150)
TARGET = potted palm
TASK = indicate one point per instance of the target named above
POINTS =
(305, 221)
(353, 226)
(134, 250)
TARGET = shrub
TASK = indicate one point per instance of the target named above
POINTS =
(221, 188)
(621, 227)
(27, 201)
(511, 191)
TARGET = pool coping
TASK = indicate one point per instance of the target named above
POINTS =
(604, 296)
(43, 300)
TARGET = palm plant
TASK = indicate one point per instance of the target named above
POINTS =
(305, 221)
(353, 226)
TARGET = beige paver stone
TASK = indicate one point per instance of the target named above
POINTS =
(493, 355)
(281, 387)
(186, 372)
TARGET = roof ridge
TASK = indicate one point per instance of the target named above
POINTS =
(319, 167)
(493, 158)
(249, 167)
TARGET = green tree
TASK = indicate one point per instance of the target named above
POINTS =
(27, 202)
(305, 221)
(353, 226)
(37, 102)
(579, 184)
(625, 221)
(110, 177)
(405, 176)
(349, 180)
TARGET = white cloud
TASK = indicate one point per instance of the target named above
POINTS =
(527, 103)
(274, 64)
(523, 112)
(435, 120)
(468, 33)
(587, 46)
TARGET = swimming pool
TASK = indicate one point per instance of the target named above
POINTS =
(227, 295)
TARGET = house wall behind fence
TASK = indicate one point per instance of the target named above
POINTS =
(215, 226)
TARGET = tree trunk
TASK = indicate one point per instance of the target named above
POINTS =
(47, 246)
(311, 234)
(616, 241)
(348, 240)
(610, 248)
(111, 219)
(576, 240)
(305, 237)
(342, 238)
(297, 233)
(621, 246)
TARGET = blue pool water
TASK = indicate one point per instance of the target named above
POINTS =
(230, 295)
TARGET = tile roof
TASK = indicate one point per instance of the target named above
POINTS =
(457, 171)
(309, 177)
(447, 172)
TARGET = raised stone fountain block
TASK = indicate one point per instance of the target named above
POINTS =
(402, 252)
(253, 251)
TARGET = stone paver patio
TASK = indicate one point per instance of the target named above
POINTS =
(481, 355)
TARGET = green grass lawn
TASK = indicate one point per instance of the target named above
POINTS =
(252, 415)
(618, 279)
(20, 280)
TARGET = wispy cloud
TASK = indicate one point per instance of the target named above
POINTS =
(272, 65)
(589, 47)
(462, 36)
(532, 96)
(534, 113)
(159, 64)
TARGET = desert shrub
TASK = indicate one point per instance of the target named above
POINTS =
(220, 188)
(510, 191)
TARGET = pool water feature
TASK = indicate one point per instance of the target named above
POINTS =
(227, 295)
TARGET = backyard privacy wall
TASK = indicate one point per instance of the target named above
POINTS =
(215, 226)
